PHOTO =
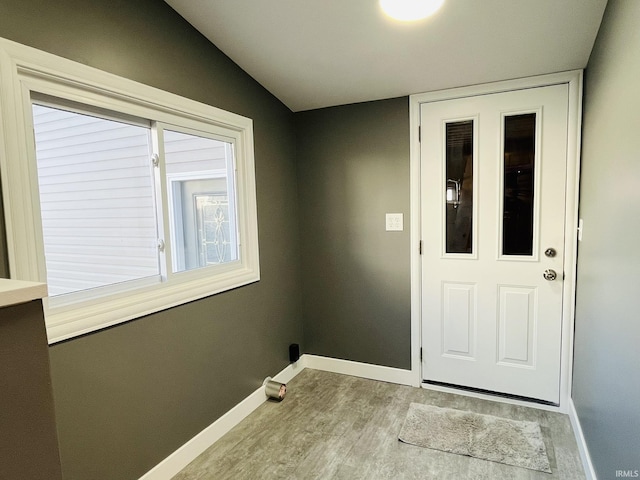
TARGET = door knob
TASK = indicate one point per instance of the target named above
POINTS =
(550, 274)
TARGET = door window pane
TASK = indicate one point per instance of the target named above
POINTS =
(459, 187)
(519, 181)
(202, 206)
(96, 200)
(213, 228)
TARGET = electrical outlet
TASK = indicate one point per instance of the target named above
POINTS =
(395, 222)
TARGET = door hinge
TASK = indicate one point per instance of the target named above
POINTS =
(419, 133)
(420, 353)
(420, 247)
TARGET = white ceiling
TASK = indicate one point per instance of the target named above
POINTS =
(318, 53)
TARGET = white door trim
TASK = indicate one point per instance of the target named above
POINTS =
(574, 81)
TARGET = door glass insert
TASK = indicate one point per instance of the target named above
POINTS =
(459, 186)
(214, 233)
(519, 181)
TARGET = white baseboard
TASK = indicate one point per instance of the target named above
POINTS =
(357, 369)
(589, 471)
(182, 457)
(188, 452)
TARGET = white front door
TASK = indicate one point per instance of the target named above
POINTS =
(493, 182)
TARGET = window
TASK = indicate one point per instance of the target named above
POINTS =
(459, 187)
(519, 184)
(96, 197)
(125, 199)
(202, 200)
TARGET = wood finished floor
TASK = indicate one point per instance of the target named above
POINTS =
(332, 426)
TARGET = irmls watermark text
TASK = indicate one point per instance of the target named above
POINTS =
(627, 473)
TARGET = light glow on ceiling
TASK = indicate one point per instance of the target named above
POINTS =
(410, 10)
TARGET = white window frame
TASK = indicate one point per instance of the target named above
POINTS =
(24, 72)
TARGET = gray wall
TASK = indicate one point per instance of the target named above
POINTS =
(353, 167)
(28, 438)
(129, 396)
(606, 382)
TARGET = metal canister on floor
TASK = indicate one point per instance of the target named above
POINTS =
(274, 390)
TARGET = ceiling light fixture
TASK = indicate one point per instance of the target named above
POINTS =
(410, 10)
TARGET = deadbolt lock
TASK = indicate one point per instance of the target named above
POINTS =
(550, 252)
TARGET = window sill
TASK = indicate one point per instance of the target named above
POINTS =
(71, 321)
(13, 292)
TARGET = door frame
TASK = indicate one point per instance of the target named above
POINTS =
(574, 81)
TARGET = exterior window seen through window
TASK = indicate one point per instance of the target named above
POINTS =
(201, 189)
